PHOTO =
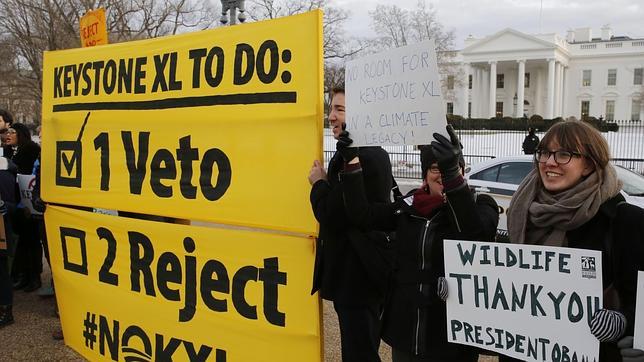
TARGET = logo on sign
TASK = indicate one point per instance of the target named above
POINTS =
(588, 267)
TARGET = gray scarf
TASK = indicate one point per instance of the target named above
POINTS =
(536, 216)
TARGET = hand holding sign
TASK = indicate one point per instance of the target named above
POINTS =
(448, 154)
(342, 146)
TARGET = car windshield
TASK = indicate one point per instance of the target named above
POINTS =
(633, 182)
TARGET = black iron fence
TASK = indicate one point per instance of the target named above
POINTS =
(626, 145)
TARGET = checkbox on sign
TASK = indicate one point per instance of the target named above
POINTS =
(74, 248)
(69, 156)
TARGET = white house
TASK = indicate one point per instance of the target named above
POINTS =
(550, 75)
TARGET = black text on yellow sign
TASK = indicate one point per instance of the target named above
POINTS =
(174, 274)
(179, 291)
(129, 76)
(164, 165)
(189, 126)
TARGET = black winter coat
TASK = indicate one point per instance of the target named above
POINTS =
(25, 157)
(351, 265)
(617, 230)
(415, 318)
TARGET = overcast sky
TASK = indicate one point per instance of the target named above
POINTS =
(481, 18)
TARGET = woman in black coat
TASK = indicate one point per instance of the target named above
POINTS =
(572, 199)
(414, 320)
(27, 265)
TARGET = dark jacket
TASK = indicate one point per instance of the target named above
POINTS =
(530, 144)
(25, 157)
(351, 265)
(617, 230)
(415, 318)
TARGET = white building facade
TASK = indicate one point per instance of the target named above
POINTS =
(549, 75)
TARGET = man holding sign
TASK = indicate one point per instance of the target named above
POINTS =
(352, 266)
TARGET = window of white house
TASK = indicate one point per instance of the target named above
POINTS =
(638, 74)
(450, 108)
(612, 77)
(585, 108)
(610, 110)
(499, 109)
(450, 82)
(527, 80)
(469, 109)
(585, 80)
(635, 110)
(469, 81)
(500, 80)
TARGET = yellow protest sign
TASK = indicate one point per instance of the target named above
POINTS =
(220, 125)
(160, 291)
(93, 28)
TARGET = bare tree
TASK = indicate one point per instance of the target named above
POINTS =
(336, 43)
(396, 27)
(30, 27)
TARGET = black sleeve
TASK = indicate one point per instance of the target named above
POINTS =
(361, 212)
(628, 231)
(473, 220)
(327, 205)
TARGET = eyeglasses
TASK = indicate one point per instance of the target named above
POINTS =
(434, 169)
(11, 131)
(561, 157)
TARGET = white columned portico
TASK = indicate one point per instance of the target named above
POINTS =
(465, 95)
(492, 99)
(520, 88)
(557, 89)
(551, 89)
(479, 92)
(562, 90)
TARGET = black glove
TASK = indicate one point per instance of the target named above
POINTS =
(38, 204)
(448, 153)
(342, 146)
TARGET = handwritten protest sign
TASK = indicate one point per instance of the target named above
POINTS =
(26, 186)
(93, 28)
(638, 342)
(394, 97)
(529, 302)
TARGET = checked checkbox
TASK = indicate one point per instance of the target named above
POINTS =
(69, 160)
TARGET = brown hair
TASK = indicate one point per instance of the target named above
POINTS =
(580, 137)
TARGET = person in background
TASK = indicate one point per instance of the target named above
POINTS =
(6, 120)
(530, 142)
(7, 242)
(572, 199)
(27, 266)
(415, 319)
(352, 265)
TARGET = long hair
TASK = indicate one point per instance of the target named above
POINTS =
(23, 134)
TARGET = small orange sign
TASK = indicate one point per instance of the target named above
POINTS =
(93, 29)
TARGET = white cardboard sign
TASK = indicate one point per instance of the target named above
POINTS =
(529, 302)
(394, 97)
(26, 186)
(638, 341)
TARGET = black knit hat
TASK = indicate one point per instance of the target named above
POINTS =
(427, 158)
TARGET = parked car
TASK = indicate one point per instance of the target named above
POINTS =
(500, 178)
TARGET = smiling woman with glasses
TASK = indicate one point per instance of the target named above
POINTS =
(572, 199)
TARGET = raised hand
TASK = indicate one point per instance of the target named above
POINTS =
(342, 146)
